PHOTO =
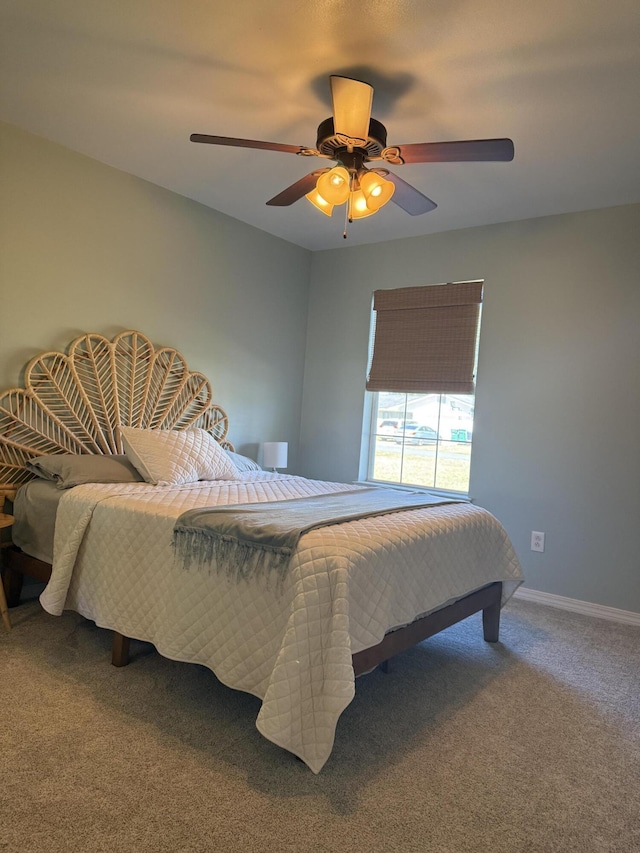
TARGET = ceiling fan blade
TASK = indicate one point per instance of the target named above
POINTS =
(409, 198)
(456, 152)
(245, 143)
(352, 101)
(297, 190)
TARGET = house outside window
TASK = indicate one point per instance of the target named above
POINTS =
(423, 437)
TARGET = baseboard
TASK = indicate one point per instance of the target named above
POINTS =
(627, 617)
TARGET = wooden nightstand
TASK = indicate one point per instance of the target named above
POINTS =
(5, 521)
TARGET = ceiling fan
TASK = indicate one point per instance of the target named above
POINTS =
(352, 139)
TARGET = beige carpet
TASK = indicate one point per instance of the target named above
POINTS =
(530, 745)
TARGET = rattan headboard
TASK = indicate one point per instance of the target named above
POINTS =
(74, 402)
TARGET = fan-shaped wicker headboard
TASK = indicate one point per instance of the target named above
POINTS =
(74, 402)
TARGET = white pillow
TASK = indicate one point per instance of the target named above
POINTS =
(167, 457)
(242, 463)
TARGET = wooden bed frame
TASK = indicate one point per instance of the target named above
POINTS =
(74, 402)
(487, 599)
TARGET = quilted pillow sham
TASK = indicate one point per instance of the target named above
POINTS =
(69, 469)
(166, 457)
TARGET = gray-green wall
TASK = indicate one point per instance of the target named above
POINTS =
(557, 428)
(84, 247)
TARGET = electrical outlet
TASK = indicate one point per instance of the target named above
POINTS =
(537, 540)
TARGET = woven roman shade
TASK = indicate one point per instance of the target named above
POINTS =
(424, 339)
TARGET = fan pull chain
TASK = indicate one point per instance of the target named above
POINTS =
(347, 208)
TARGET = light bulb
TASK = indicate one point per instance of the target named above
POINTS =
(333, 185)
(317, 201)
(377, 191)
(358, 208)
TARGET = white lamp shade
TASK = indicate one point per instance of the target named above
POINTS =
(274, 454)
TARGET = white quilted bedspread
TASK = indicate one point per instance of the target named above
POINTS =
(290, 645)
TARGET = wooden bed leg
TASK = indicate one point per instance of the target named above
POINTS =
(491, 622)
(120, 650)
(385, 666)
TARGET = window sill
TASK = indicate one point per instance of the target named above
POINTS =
(442, 493)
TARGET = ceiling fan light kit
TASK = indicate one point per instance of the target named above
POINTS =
(351, 138)
(364, 191)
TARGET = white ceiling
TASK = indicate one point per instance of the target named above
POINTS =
(127, 81)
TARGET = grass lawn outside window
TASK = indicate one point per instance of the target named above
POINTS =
(414, 465)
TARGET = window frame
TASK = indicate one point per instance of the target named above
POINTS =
(370, 428)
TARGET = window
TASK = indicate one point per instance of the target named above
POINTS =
(421, 381)
(428, 444)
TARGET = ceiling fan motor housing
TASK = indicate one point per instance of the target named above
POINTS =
(332, 144)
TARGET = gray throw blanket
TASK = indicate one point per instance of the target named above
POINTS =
(246, 539)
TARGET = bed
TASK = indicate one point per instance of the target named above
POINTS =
(354, 594)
